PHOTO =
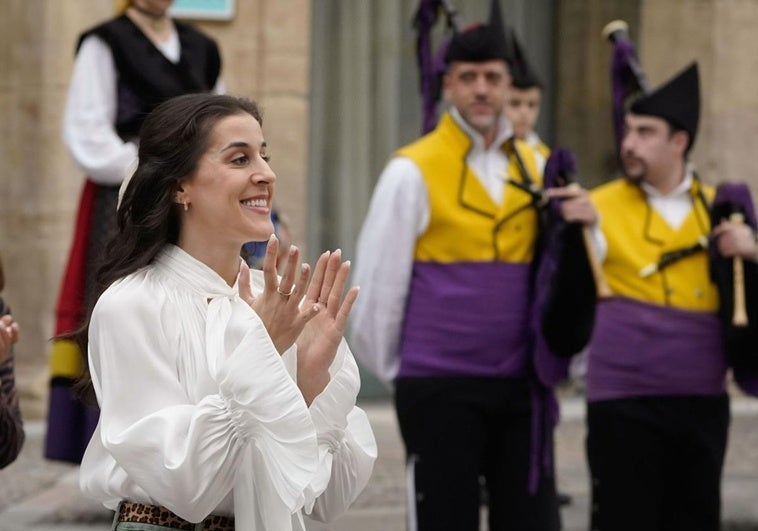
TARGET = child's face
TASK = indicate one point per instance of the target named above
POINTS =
(522, 107)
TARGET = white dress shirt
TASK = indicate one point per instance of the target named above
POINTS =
(200, 414)
(675, 206)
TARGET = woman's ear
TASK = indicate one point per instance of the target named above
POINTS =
(181, 197)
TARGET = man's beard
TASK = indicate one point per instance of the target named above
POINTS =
(638, 165)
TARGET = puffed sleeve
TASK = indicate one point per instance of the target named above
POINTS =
(397, 215)
(90, 114)
(346, 441)
(189, 456)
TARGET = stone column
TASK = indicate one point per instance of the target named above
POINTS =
(40, 185)
(720, 35)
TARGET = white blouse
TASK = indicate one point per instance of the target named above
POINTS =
(200, 413)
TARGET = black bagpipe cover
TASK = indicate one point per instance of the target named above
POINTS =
(565, 284)
(741, 341)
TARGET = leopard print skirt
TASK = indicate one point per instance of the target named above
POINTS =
(143, 517)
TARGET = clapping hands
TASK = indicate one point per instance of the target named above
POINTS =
(311, 312)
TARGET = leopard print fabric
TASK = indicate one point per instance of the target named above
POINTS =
(160, 516)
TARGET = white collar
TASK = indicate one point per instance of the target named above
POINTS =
(195, 274)
(681, 189)
(504, 130)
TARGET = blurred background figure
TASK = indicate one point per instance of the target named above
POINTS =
(11, 427)
(254, 252)
(123, 69)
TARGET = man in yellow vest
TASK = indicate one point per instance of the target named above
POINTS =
(445, 264)
(658, 411)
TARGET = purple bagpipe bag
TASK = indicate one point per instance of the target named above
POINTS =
(565, 292)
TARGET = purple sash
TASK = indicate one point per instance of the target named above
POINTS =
(468, 318)
(642, 349)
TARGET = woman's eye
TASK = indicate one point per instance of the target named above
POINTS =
(239, 161)
(266, 158)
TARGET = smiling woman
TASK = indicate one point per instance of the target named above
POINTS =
(226, 395)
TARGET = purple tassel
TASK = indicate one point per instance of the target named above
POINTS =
(624, 82)
(431, 65)
(423, 21)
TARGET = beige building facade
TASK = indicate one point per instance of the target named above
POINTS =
(337, 83)
(265, 53)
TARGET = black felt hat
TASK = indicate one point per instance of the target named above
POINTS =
(481, 42)
(522, 74)
(677, 101)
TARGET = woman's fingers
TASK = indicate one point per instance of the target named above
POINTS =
(332, 267)
(340, 321)
(287, 282)
(300, 287)
(270, 278)
(334, 297)
(314, 288)
(13, 332)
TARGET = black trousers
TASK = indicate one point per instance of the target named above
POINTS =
(457, 430)
(656, 462)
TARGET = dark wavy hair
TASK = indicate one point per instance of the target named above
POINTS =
(171, 141)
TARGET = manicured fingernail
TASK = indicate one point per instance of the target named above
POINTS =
(293, 250)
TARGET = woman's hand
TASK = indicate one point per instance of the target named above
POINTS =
(8, 336)
(279, 305)
(321, 336)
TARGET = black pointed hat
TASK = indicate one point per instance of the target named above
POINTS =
(677, 101)
(522, 74)
(481, 42)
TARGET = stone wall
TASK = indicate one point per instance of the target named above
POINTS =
(720, 35)
(265, 53)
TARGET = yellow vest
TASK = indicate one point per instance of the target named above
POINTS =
(465, 224)
(637, 236)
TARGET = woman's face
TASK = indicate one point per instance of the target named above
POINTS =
(230, 193)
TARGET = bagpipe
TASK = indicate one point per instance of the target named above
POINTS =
(569, 277)
(736, 279)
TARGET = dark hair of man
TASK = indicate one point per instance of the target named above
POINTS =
(172, 139)
(673, 129)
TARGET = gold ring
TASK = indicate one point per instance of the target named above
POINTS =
(280, 292)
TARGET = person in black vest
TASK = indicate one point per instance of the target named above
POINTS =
(124, 68)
